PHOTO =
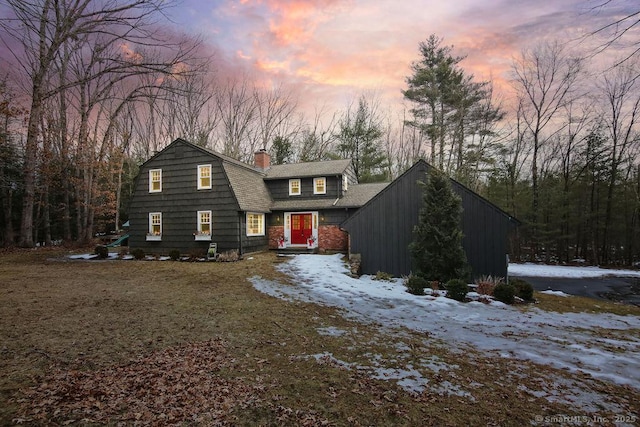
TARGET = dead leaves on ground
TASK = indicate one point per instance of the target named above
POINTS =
(173, 386)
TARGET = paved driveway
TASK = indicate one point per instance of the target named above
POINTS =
(623, 289)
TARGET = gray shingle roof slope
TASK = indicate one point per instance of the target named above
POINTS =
(302, 205)
(300, 170)
(249, 187)
(357, 195)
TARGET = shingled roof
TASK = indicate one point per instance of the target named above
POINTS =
(251, 192)
(307, 169)
(248, 186)
(358, 195)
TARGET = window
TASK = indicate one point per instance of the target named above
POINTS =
(204, 177)
(155, 226)
(319, 185)
(204, 223)
(294, 187)
(155, 180)
(255, 224)
(345, 183)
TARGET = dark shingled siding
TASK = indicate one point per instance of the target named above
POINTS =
(179, 202)
(382, 230)
(279, 188)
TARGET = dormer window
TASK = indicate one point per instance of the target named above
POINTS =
(345, 183)
(294, 187)
(320, 185)
(204, 177)
(155, 180)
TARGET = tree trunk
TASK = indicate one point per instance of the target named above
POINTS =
(7, 205)
(30, 163)
(66, 208)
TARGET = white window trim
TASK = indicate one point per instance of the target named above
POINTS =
(345, 183)
(315, 185)
(199, 235)
(262, 225)
(291, 193)
(204, 187)
(150, 233)
(151, 190)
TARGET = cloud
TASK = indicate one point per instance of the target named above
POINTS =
(331, 49)
(296, 21)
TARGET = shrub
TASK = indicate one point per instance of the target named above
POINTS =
(229, 256)
(102, 251)
(174, 254)
(137, 253)
(457, 289)
(196, 254)
(523, 289)
(486, 284)
(124, 250)
(381, 275)
(415, 284)
(504, 292)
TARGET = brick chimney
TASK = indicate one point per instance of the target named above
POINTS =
(262, 160)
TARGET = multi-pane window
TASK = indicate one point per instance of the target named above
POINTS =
(204, 223)
(155, 180)
(319, 185)
(155, 223)
(204, 177)
(294, 187)
(255, 224)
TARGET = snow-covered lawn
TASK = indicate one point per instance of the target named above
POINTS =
(564, 341)
(541, 270)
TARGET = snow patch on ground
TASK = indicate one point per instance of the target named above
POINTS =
(542, 270)
(560, 340)
(556, 293)
(331, 331)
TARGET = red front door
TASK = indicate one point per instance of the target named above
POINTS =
(301, 228)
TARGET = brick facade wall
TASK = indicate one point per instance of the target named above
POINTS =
(276, 232)
(331, 238)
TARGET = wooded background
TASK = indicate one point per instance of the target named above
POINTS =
(97, 87)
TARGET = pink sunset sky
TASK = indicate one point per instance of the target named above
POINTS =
(330, 51)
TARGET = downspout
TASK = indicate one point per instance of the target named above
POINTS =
(240, 234)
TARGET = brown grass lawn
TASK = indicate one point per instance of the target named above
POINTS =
(157, 343)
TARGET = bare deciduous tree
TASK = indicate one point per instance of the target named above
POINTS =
(545, 80)
(45, 29)
(621, 115)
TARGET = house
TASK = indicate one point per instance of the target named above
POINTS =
(382, 229)
(187, 197)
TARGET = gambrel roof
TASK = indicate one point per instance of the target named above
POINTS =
(247, 184)
(249, 188)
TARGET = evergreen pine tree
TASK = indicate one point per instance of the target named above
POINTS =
(359, 140)
(282, 150)
(437, 245)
